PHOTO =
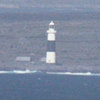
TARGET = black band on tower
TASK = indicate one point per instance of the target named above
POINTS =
(51, 46)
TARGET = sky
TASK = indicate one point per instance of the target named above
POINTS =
(50, 3)
(91, 5)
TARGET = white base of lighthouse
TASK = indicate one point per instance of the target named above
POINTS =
(51, 57)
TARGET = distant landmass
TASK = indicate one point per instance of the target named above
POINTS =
(24, 34)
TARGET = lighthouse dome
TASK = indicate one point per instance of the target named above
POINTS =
(51, 23)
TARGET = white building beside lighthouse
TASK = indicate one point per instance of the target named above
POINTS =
(51, 45)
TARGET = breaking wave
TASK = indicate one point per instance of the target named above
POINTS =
(18, 72)
(52, 73)
(75, 73)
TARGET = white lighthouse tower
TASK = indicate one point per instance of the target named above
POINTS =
(51, 46)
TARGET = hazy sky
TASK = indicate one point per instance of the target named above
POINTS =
(74, 5)
(51, 3)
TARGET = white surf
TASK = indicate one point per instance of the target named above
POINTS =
(52, 73)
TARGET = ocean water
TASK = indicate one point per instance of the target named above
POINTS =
(40, 86)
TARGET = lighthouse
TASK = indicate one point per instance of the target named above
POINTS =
(51, 44)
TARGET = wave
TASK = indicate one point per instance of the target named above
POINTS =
(52, 73)
(18, 72)
(74, 73)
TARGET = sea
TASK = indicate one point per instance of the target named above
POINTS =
(82, 49)
(42, 86)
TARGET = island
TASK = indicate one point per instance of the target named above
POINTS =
(24, 35)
